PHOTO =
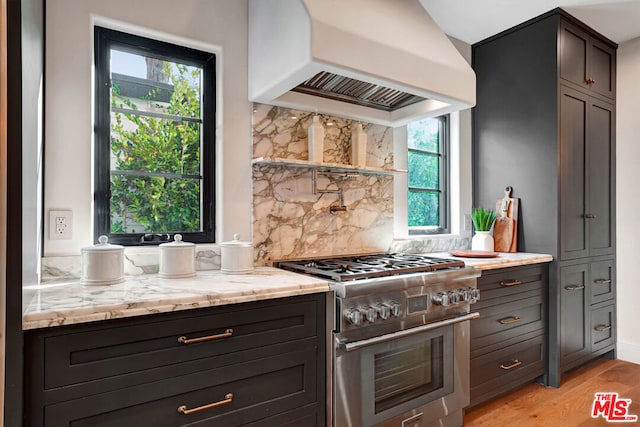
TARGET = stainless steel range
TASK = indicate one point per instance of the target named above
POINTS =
(401, 338)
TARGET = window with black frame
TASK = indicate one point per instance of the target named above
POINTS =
(154, 140)
(427, 143)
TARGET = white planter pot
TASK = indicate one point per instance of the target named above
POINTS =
(482, 241)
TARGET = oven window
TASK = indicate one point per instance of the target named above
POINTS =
(408, 372)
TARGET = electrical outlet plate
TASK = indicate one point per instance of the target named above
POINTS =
(60, 225)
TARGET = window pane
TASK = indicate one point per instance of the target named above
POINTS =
(423, 135)
(424, 208)
(154, 205)
(151, 144)
(152, 85)
(424, 170)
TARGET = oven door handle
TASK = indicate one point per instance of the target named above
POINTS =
(355, 345)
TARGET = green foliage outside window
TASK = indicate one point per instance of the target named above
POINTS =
(423, 140)
(153, 145)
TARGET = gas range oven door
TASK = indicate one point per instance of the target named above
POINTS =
(411, 378)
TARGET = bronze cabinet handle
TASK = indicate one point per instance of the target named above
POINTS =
(602, 328)
(510, 282)
(509, 320)
(602, 281)
(185, 340)
(574, 287)
(228, 398)
(589, 80)
(590, 216)
(514, 364)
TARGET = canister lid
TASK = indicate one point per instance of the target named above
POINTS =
(236, 242)
(177, 243)
(102, 245)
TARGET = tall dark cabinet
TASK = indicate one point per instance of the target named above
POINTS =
(544, 123)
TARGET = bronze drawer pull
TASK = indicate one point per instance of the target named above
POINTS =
(590, 216)
(185, 340)
(228, 398)
(515, 364)
(510, 282)
(602, 281)
(589, 81)
(574, 287)
(602, 328)
(509, 320)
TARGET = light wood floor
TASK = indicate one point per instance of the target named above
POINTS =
(568, 406)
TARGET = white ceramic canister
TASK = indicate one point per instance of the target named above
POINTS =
(102, 263)
(177, 259)
(237, 256)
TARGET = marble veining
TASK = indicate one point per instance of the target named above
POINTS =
(427, 244)
(70, 302)
(137, 261)
(290, 221)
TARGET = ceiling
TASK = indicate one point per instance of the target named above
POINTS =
(475, 20)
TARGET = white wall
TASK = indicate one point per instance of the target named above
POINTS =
(213, 25)
(628, 199)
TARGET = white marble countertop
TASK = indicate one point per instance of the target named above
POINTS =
(70, 302)
(504, 259)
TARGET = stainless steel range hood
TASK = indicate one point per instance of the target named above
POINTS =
(379, 61)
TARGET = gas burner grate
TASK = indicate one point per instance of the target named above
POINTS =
(369, 266)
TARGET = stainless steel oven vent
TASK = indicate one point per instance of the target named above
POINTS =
(340, 88)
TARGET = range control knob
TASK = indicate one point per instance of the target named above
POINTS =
(354, 316)
(395, 308)
(475, 295)
(441, 298)
(465, 294)
(371, 314)
(384, 311)
(454, 297)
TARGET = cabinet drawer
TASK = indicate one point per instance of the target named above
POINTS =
(511, 284)
(522, 361)
(91, 353)
(603, 327)
(245, 392)
(506, 321)
(602, 277)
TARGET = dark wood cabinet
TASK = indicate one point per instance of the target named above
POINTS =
(574, 314)
(243, 364)
(586, 61)
(508, 340)
(543, 127)
(587, 310)
(587, 150)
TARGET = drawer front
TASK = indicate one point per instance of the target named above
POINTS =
(603, 327)
(508, 320)
(95, 353)
(510, 363)
(602, 281)
(511, 284)
(242, 394)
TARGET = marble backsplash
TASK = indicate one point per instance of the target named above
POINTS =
(289, 221)
(137, 261)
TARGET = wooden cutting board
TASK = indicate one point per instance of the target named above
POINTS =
(505, 229)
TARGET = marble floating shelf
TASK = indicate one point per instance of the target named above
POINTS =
(333, 167)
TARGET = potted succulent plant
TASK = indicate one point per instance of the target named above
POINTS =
(482, 221)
